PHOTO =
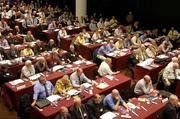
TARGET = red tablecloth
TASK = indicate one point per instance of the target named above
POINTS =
(122, 83)
(86, 51)
(178, 89)
(120, 62)
(152, 109)
(66, 42)
(14, 95)
(140, 71)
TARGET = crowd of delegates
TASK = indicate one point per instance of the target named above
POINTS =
(143, 43)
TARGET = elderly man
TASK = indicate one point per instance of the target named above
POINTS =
(144, 86)
(13, 52)
(63, 113)
(95, 106)
(62, 86)
(78, 78)
(38, 47)
(104, 68)
(113, 100)
(51, 45)
(170, 110)
(29, 37)
(42, 89)
(170, 75)
(41, 65)
(78, 110)
(27, 70)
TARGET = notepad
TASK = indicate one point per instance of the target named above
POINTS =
(54, 98)
(15, 82)
(108, 115)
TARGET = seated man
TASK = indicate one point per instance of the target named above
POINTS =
(170, 75)
(62, 86)
(102, 51)
(29, 37)
(54, 60)
(38, 47)
(78, 78)
(78, 110)
(51, 45)
(41, 65)
(170, 110)
(104, 68)
(27, 52)
(42, 89)
(111, 46)
(95, 106)
(13, 52)
(12, 39)
(113, 100)
(144, 86)
(165, 46)
(63, 113)
(27, 70)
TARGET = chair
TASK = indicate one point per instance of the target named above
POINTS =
(160, 84)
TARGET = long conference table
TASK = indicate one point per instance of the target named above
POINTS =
(13, 94)
(120, 82)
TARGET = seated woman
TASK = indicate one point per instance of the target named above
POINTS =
(62, 86)
(165, 46)
(53, 60)
(27, 52)
(119, 44)
(150, 50)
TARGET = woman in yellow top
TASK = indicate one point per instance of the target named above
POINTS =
(27, 52)
(62, 86)
(119, 44)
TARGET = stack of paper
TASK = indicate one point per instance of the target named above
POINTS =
(86, 85)
(57, 67)
(54, 98)
(35, 77)
(102, 85)
(73, 92)
(15, 82)
(109, 77)
(108, 115)
(78, 62)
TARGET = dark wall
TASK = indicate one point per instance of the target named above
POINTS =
(159, 13)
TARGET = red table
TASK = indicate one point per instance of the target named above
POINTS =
(66, 42)
(122, 83)
(140, 72)
(120, 62)
(14, 95)
(152, 109)
(86, 51)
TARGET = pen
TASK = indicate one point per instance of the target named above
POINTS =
(144, 108)
(134, 113)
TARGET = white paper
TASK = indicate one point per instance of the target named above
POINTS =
(88, 62)
(108, 115)
(86, 85)
(102, 85)
(162, 56)
(54, 98)
(78, 62)
(130, 105)
(35, 77)
(72, 92)
(57, 67)
(109, 77)
(3, 62)
(15, 82)
(99, 41)
(86, 43)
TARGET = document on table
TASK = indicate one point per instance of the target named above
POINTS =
(108, 115)
(54, 98)
(15, 82)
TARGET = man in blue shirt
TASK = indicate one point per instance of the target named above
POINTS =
(42, 89)
(113, 100)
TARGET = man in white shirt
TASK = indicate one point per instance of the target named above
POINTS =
(170, 75)
(144, 86)
(78, 78)
(104, 68)
(27, 70)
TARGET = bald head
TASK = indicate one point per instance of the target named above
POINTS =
(175, 65)
(175, 59)
(115, 93)
(147, 78)
(79, 71)
(28, 63)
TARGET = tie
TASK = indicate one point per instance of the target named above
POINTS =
(81, 112)
(46, 91)
(80, 82)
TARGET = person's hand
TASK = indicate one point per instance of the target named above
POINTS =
(33, 104)
(167, 83)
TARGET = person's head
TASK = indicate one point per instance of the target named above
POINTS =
(79, 71)
(147, 79)
(51, 41)
(29, 33)
(10, 35)
(65, 79)
(178, 58)
(173, 99)
(108, 60)
(172, 28)
(84, 30)
(64, 111)
(175, 66)
(175, 59)
(115, 94)
(42, 79)
(42, 59)
(38, 42)
(72, 48)
(97, 99)
(77, 102)
(28, 63)
(12, 46)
